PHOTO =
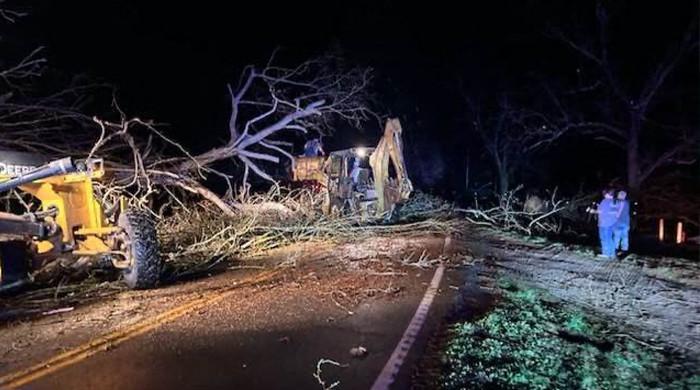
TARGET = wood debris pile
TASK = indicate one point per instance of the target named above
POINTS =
(200, 236)
(512, 213)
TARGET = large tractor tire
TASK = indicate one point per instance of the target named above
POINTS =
(14, 263)
(141, 245)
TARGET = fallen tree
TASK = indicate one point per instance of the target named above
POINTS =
(199, 236)
(196, 239)
(270, 106)
(512, 213)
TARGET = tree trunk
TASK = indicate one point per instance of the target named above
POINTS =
(633, 168)
(466, 174)
(501, 162)
(503, 179)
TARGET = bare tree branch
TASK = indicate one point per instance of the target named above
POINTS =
(623, 121)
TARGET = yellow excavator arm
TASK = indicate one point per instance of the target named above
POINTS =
(390, 148)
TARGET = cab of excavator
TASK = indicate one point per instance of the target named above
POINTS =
(341, 163)
(350, 168)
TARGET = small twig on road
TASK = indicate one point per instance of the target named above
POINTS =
(422, 262)
(389, 290)
(318, 373)
(338, 303)
(247, 267)
(387, 273)
(58, 311)
(58, 288)
(637, 341)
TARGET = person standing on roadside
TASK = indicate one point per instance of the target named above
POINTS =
(607, 216)
(621, 230)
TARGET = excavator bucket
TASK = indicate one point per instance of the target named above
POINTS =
(390, 190)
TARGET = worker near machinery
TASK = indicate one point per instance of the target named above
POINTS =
(621, 230)
(313, 148)
(355, 172)
(607, 217)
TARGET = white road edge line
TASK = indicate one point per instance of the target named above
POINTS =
(393, 365)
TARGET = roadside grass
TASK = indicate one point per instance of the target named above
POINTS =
(530, 341)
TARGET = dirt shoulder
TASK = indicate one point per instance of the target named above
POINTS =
(656, 300)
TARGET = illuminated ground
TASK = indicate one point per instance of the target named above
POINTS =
(268, 335)
(321, 300)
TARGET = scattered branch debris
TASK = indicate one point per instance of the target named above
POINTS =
(423, 261)
(196, 236)
(658, 298)
(58, 311)
(318, 373)
(512, 213)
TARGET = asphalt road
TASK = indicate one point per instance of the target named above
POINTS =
(269, 337)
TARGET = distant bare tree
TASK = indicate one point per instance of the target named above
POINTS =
(510, 136)
(623, 115)
(34, 120)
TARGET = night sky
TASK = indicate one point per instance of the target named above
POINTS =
(172, 62)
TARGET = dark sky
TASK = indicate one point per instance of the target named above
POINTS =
(171, 61)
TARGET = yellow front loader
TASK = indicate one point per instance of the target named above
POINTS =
(71, 222)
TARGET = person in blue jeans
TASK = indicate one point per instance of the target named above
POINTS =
(607, 216)
(621, 230)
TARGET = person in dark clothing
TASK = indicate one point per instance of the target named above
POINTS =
(607, 216)
(313, 148)
(621, 230)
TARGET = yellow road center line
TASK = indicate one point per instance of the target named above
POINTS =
(105, 342)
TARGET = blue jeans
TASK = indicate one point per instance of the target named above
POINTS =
(607, 244)
(621, 237)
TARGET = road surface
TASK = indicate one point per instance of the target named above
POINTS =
(265, 328)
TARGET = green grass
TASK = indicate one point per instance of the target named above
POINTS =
(518, 346)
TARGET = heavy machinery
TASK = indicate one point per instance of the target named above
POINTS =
(360, 180)
(71, 222)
